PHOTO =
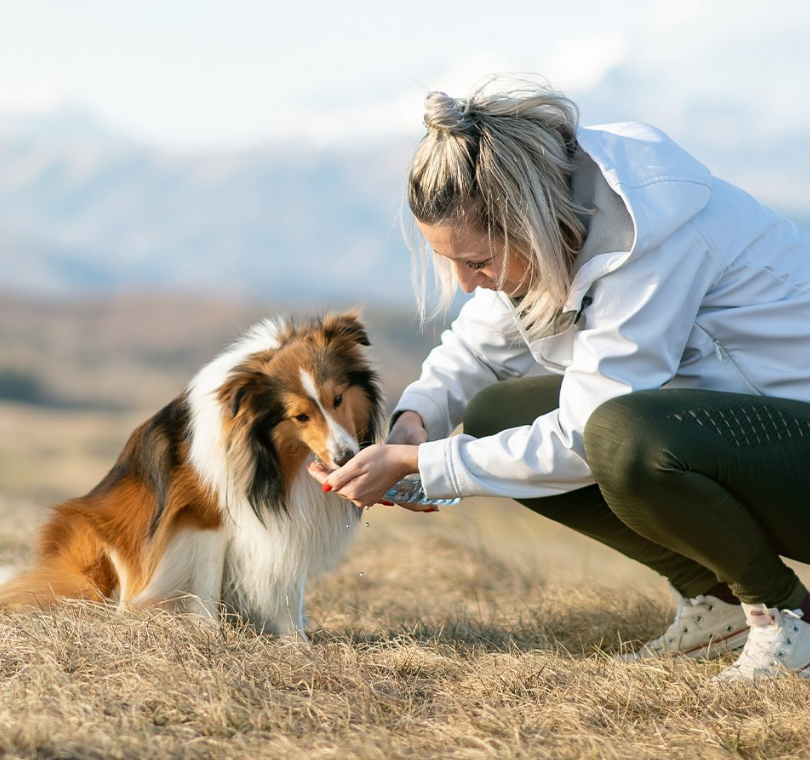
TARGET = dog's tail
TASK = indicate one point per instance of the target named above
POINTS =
(72, 563)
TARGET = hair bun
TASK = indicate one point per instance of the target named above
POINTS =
(446, 114)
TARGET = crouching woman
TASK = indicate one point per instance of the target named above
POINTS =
(634, 362)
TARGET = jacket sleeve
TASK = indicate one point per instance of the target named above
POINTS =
(481, 347)
(631, 338)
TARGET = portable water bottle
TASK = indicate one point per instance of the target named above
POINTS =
(409, 491)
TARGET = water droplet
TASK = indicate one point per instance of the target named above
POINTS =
(347, 525)
(360, 574)
(367, 523)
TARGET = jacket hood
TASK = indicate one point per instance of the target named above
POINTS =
(661, 184)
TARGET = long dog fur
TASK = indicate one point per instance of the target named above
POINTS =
(209, 506)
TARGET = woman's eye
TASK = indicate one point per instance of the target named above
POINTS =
(338, 400)
(302, 417)
(476, 265)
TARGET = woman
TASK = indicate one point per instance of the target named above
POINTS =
(635, 362)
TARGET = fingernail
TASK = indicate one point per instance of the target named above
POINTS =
(388, 503)
(327, 487)
(432, 509)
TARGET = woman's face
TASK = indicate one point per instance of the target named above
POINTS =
(478, 258)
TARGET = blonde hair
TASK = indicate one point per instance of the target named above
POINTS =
(502, 163)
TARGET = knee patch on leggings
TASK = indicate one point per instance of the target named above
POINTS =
(617, 440)
(511, 403)
(481, 414)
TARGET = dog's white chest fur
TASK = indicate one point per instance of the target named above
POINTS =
(267, 566)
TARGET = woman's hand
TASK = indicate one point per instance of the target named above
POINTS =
(408, 429)
(367, 476)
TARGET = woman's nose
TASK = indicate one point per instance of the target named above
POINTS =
(467, 278)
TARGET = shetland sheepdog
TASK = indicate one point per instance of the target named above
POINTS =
(209, 507)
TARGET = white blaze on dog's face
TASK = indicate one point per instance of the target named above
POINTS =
(325, 420)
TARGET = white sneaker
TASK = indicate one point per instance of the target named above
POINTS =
(704, 627)
(779, 644)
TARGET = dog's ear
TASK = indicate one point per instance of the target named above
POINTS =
(252, 400)
(237, 389)
(346, 325)
(233, 398)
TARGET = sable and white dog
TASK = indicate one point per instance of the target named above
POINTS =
(209, 504)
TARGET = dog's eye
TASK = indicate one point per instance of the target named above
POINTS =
(302, 417)
(338, 400)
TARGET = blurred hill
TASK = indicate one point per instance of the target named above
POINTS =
(83, 210)
(136, 351)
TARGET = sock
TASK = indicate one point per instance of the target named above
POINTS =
(805, 608)
(724, 593)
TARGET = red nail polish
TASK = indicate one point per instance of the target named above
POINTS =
(388, 503)
(327, 487)
(432, 509)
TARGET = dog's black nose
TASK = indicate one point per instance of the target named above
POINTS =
(343, 456)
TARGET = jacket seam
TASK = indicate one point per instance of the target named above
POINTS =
(710, 247)
(658, 180)
(452, 453)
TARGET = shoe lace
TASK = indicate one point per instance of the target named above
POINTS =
(770, 642)
(688, 611)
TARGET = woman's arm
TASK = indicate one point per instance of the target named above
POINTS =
(481, 347)
(408, 428)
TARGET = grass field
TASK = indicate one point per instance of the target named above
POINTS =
(482, 631)
(426, 643)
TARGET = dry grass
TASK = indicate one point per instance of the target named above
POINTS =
(478, 632)
(456, 640)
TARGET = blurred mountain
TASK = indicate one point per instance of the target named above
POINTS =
(84, 210)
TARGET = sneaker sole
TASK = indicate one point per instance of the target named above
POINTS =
(731, 676)
(718, 647)
(715, 648)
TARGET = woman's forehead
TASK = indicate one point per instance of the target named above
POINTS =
(457, 240)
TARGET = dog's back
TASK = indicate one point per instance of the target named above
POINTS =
(110, 542)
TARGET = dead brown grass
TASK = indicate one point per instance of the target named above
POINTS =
(479, 632)
(437, 638)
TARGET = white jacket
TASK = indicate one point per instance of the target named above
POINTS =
(714, 293)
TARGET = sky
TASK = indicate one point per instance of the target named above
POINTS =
(191, 75)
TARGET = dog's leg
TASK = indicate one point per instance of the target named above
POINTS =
(205, 586)
(189, 574)
(290, 621)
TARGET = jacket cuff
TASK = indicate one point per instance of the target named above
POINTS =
(441, 479)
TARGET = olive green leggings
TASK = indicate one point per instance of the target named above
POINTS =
(700, 486)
